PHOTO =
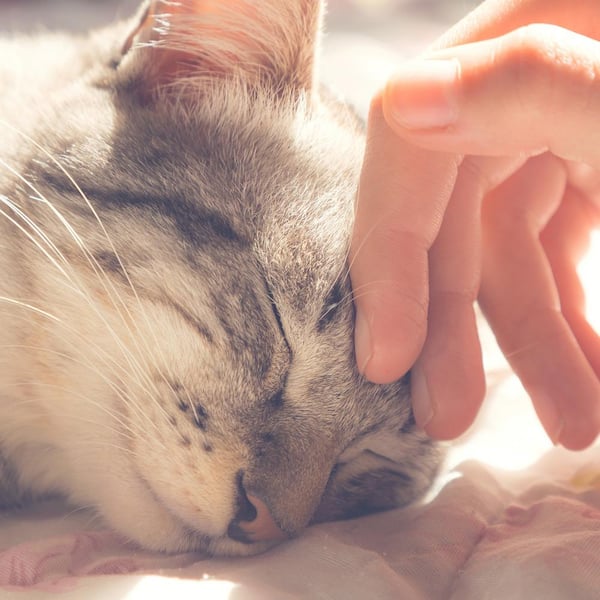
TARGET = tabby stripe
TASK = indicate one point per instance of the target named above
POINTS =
(199, 225)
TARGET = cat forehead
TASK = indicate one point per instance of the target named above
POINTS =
(230, 165)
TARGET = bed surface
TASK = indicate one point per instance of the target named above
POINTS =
(513, 518)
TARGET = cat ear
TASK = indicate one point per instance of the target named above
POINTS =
(271, 43)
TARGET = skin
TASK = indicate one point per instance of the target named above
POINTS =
(443, 221)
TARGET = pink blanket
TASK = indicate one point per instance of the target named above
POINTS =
(531, 533)
(487, 534)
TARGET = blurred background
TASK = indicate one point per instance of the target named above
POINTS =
(364, 38)
(350, 14)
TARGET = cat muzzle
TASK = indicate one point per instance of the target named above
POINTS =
(262, 528)
(253, 521)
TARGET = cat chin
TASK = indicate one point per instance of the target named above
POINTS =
(228, 547)
(137, 514)
(178, 540)
(160, 531)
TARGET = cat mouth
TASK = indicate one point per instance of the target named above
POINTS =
(250, 531)
(191, 538)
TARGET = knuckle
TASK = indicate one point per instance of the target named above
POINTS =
(475, 170)
(415, 307)
(463, 296)
(547, 70)
(397, 233)
(533, 65)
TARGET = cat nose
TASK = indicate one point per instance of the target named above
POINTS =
(253, 521)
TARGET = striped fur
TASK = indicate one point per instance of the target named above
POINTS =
(175, 310)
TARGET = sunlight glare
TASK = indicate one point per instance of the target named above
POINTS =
(589, 272)
(156, 588)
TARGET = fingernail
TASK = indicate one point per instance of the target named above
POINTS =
(422, 404)
(363, 344)
(423, 94)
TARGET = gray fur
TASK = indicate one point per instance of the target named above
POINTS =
(195, 333)
(10, 495)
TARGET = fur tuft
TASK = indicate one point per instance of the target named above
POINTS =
(191, 43)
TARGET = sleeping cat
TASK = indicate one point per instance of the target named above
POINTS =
(176, 200)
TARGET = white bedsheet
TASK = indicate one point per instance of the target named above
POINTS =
(488, 534)
(513, 519)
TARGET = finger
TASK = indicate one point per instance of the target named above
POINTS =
(494, 18)
(586, 180)
(565, 240)
(399, 210)
(448, 383)
(447, 380)
(521, 302)
(532, 90)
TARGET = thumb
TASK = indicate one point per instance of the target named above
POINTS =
(535, 89)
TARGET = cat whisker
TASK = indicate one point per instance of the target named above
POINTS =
(100, 353)
(91, 511)
(37, 230)
(352, 256)
(79, 241)
(95, 265)
(116, 390)
(105, 427)
(103, 444)
(30, 307)
(70, 392)
(76, 510)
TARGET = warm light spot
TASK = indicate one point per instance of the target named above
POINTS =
(589, 272)
(156, 588)
(507, 434)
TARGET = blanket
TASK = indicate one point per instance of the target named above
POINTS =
(511, 518)
(487, 534)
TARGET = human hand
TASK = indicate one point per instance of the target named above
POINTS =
(418, 261)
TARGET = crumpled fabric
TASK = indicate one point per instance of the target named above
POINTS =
(532, 533)
(487, 535)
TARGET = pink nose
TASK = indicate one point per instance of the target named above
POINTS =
(261, 529)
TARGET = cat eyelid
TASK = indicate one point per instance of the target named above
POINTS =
(276, 313)
(333, 302)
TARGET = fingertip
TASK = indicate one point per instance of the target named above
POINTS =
(386, 344)
(571, 422)
(448, 381)
(446, 400)
(578, 440)
(386, 362)
(580, 433)
(384, 371)
(453, 417)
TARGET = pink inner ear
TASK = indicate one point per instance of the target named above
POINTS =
(193, 37)
(268, 43)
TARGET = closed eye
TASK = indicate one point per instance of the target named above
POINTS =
(277, 315)
(334, 301)
(381, 457)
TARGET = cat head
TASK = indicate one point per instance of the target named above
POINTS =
(208, 184)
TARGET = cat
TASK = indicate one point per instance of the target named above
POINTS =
(177, 198)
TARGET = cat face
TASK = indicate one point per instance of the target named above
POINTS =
(202, 321)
